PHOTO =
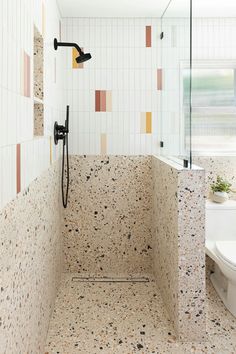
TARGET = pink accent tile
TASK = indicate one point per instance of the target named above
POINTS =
(103, 101)
(148, 36)
(97, 101)
(159, 79)
(18, 168)
(26, 75)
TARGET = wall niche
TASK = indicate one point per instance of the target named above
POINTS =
(38, 83)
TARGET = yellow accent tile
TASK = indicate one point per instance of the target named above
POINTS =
(149, 122)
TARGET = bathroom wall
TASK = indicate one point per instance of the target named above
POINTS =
(179, 245)
(108, 220)
(114, 97)
(22, 156)
(30, 211)
(224, 166)
(31, 264)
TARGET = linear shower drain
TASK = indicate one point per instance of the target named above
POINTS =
(110, 280)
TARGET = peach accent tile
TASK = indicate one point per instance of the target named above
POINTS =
(18, 168)
(108, 101)
(97, 101)
(143, 123)
(103, 144)
(149, 122)
(103, 101)
(148, 36)
(159, 79)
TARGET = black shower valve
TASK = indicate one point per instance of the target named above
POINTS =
(60, 132)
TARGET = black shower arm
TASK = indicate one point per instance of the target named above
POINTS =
(65, 44)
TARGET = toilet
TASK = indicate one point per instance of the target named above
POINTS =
(221, 247)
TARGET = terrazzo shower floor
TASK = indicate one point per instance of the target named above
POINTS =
(126, 318)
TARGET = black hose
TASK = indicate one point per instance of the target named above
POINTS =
(65, 196)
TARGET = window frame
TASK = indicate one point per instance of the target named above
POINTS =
(202, 64)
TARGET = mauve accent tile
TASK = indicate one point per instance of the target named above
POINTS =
(97, 101)
(148, 36)
(159, 79)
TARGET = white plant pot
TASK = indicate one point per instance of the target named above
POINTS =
(219, 197)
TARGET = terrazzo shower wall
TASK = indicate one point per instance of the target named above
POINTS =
(179, 245)
(114, 98)
(108, 220)
(30, 264)
(29, 177)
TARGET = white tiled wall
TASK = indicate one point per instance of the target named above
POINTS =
(120, 63)
(17, 19)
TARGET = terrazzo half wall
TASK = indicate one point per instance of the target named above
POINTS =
(30, 264)
(108, 220)
(179, 245)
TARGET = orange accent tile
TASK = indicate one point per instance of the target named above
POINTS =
(75, 54)
(148, 122)
(148, 36)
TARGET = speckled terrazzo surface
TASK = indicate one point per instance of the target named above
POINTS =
(178, 244)
(108, 220)
(128, 318)
(30, 264)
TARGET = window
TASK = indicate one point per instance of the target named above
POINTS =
(213, 108)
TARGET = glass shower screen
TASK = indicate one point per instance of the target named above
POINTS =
(176, 64)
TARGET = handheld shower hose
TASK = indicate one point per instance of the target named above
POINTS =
(61, 133)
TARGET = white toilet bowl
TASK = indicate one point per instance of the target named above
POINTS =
(221, 247)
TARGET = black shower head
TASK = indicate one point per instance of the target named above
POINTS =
(83, 57)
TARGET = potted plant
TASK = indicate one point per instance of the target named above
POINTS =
(220, 190)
